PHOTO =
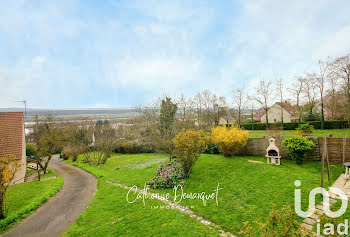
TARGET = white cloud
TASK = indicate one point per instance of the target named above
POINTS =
(142, 49)
(155, 73)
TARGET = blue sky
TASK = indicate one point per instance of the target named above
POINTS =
(79, 54)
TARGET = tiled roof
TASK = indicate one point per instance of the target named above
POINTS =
(288, 107)
(11, 133)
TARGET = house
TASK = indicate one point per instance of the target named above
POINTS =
(12, 141)
(290, 113)
(228, 119)
(258, 114)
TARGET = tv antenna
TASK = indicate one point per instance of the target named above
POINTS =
(25, 105)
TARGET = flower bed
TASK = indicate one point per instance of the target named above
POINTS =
(168, 175)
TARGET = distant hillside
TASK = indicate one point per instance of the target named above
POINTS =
(41, 112)
(67, 114)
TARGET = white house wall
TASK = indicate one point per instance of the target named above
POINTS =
(274, 115)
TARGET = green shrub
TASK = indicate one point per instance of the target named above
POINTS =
(281, 222)
(315, 124)
(143, 148)
(133, 147)
(58, 150)
(66, 152)
(315, 116)
(305, 129)
(168, 175)
(297, 148)
(212, 149)
(30, 149)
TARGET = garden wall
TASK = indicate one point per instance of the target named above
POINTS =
(257, 147)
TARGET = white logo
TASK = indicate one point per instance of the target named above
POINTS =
(312, 205)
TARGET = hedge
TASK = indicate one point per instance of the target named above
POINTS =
(133, 147)
(330, 124)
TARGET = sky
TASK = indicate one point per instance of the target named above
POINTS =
(107, 54)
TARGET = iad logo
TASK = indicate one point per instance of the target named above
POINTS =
(312, 204)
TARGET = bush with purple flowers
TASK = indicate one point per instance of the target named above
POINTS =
(168, 175)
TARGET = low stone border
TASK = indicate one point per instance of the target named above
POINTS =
(181, 208)
(48, 178)
(340, 183)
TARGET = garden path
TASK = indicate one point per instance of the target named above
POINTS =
(341, 183)
(59, 213)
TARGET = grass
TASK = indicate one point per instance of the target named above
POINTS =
(289, 133)
(24, 198)
(248, 192)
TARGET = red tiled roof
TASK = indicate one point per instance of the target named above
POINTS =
(11, 133)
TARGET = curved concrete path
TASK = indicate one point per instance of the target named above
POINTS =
(59, 213)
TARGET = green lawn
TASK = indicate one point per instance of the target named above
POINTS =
(248, 192)
(24, 198)
(317, 133)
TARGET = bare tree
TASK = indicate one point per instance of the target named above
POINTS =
(280, 90)
(198, 101)
(238, 100)
(264, 92)
(49, 137)
(320, 79)
(218, 109)
(296, 90)
(251, 101)
(310, 92)
(340, 67)
(186, 114)
(79, 136)
(207, 106)
(103, 143)
(332, 81)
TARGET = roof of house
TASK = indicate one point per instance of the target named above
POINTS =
(227, 119)
(258, 114)
(11, 133)
(288, 107)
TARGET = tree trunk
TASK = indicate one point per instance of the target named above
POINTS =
(47, 163)
(267, 119)
(239, 117)
(252, 117)
(299, 109)
(2, 205)
(38, 174)
(281, 116)
(322, 114)
(333, 103)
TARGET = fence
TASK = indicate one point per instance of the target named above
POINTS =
(257, 147)
(335, 149)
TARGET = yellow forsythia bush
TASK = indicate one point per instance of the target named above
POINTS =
(188, 147)
(8, 166)
(230, 140)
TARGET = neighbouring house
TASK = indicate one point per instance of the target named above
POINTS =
(290, 113)
(228, 119)
(258, 114)
(12, 141)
